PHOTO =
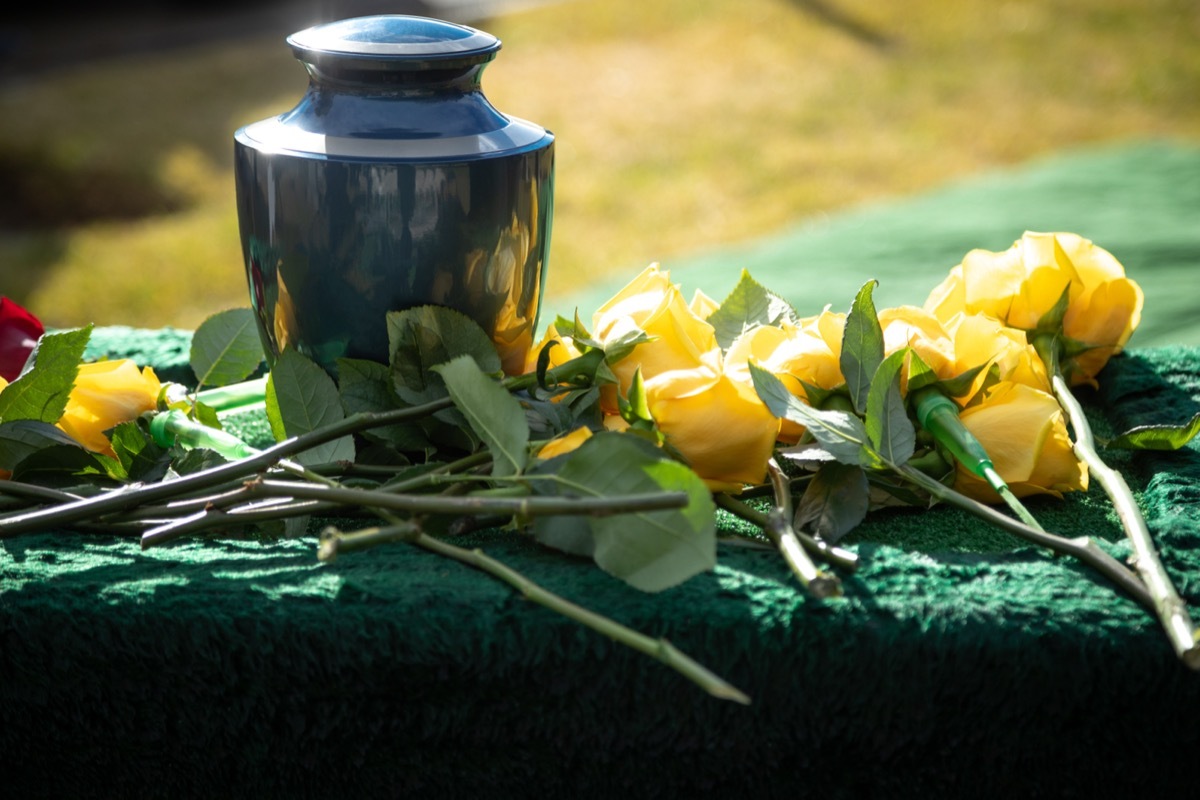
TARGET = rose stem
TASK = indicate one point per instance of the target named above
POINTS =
(332, 496)
(216, 517)
(836, 556)
(1167, 604)
(124, 499)
(30, 491)
(768, 490)
(441, 504)
(333, 542)
(780, 530)
(234, 491)
(1082, 547)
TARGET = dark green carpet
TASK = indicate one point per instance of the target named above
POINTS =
(1139, 201)
(959, 661)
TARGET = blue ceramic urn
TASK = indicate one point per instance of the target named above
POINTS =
(394, 183)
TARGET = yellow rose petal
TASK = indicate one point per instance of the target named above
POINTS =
(564, 444)
(107, 393)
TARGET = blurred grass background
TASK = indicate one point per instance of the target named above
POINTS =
(682, 125)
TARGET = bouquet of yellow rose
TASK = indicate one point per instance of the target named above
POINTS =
(619, 443)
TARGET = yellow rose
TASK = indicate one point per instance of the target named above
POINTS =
(964, 342)
(809, 351)
(980, 339)
(718, 424)
(1020, 285)
(1024, 432)
(560, 445)
(107, 393)
(651, 303)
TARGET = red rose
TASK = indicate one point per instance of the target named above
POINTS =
(19, 332)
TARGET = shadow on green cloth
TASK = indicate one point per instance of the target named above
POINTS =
(1140, 201)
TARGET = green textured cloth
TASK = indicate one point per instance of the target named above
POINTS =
(959, 661)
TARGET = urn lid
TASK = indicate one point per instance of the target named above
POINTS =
(393, 42)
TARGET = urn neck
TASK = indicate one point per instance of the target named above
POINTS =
(404, 111)
(351, 76)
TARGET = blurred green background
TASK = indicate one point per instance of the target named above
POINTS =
(686, 128)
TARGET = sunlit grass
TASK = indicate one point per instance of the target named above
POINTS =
(680, 124)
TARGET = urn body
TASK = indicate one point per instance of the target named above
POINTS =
(393, 183)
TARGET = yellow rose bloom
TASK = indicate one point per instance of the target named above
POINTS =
(651, 303)
(1025, 433)
(107, 393)
(561, 445)
(1020, 285)
(980, 339)
(962, 343)
(809, 351)
(718, 424)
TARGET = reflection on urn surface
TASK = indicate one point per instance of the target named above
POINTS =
(346, 243)
(393, 185)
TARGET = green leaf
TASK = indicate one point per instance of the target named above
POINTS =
(839, 432)
(960, 384)
(546, 420)
(493, 413)
(835, 502)
(423, 337)
(920, 374)
(366, 386)
(1156, 437)
(1052, 321)
(649, 550)
(41, 391)
(543, 362)
(24, 437)
(274, 415)
(748, 306)
(810, 454)
(817, 396)
(635, 407)
(61, 466)
(623, 343)
(191, 461)
(900, 491)
(226, 348)
(139, 457)
(574, 330)
(862, 346)
(889, 429)
(307, 399)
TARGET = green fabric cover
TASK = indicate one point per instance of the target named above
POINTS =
(1139, 201)
(959, 662)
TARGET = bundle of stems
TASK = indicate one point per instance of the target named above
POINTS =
(269, 485)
